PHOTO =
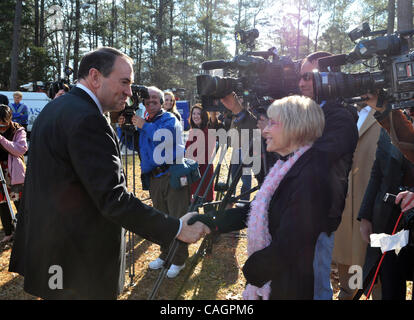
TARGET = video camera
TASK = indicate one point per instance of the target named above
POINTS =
(62, 84)
(396, 64)
(54, 87)
(257, 79)
(139, 93)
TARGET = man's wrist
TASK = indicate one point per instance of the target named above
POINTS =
(179, 228)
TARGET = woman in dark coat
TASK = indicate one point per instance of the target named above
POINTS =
(199, 121)
(287, 215)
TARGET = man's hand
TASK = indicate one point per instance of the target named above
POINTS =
(192, 233)
(406, 198)
(366, 229)
(372, 101)
(232, 103)
(138, 121)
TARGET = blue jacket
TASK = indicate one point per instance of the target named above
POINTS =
(165, 147)
(20, 113)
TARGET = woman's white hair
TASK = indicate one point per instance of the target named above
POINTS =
(302, 118)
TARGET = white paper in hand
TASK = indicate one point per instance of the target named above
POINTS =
(387, 242)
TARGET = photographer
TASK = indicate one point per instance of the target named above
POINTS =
(242, 119)
(338, 141)
(155, 171)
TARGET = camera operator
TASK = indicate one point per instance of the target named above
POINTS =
(338, 141)
(165, 198)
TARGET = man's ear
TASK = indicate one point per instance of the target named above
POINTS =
(96, 77)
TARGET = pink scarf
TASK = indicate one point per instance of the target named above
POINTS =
(258, 236)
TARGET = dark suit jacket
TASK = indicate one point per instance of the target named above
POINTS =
(75, 205)
(387, 175)
(296, 210)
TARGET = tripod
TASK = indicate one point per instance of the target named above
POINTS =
(128, 133)
(6, 193)
(207, 243)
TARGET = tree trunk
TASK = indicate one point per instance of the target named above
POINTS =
(76, 44)
(298, 35)
(42, 23)
(36, 10)
(171, 27)
(15, 47)
(391, 16)
(405, 16)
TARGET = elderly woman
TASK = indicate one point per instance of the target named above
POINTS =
(286, 216)
(13, 147)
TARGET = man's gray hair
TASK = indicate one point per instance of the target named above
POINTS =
(160, 92)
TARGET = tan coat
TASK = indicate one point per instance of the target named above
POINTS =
(349, 248)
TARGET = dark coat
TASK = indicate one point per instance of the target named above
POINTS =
(75, 205)
(295, 214)
(387, 175)
(338, 143)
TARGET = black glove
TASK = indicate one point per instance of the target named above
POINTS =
(208, 219)
(227, 221)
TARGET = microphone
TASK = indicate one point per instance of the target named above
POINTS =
(332, 61)
(214, 64)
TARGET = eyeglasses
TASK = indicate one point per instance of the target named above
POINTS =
(274, 123)
(307, 76)
(4, 125)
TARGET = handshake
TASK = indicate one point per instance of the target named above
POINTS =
(196, 225)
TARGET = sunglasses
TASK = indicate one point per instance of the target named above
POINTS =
(307, 76)
(4, 125)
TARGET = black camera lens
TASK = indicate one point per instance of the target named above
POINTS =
(331, 85)
(217, 87)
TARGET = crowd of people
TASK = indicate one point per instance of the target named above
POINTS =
(327, 169)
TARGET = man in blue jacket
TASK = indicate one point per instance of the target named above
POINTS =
(160, 145)
(20, 110)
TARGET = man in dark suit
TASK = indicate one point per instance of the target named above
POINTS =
(69, 241)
